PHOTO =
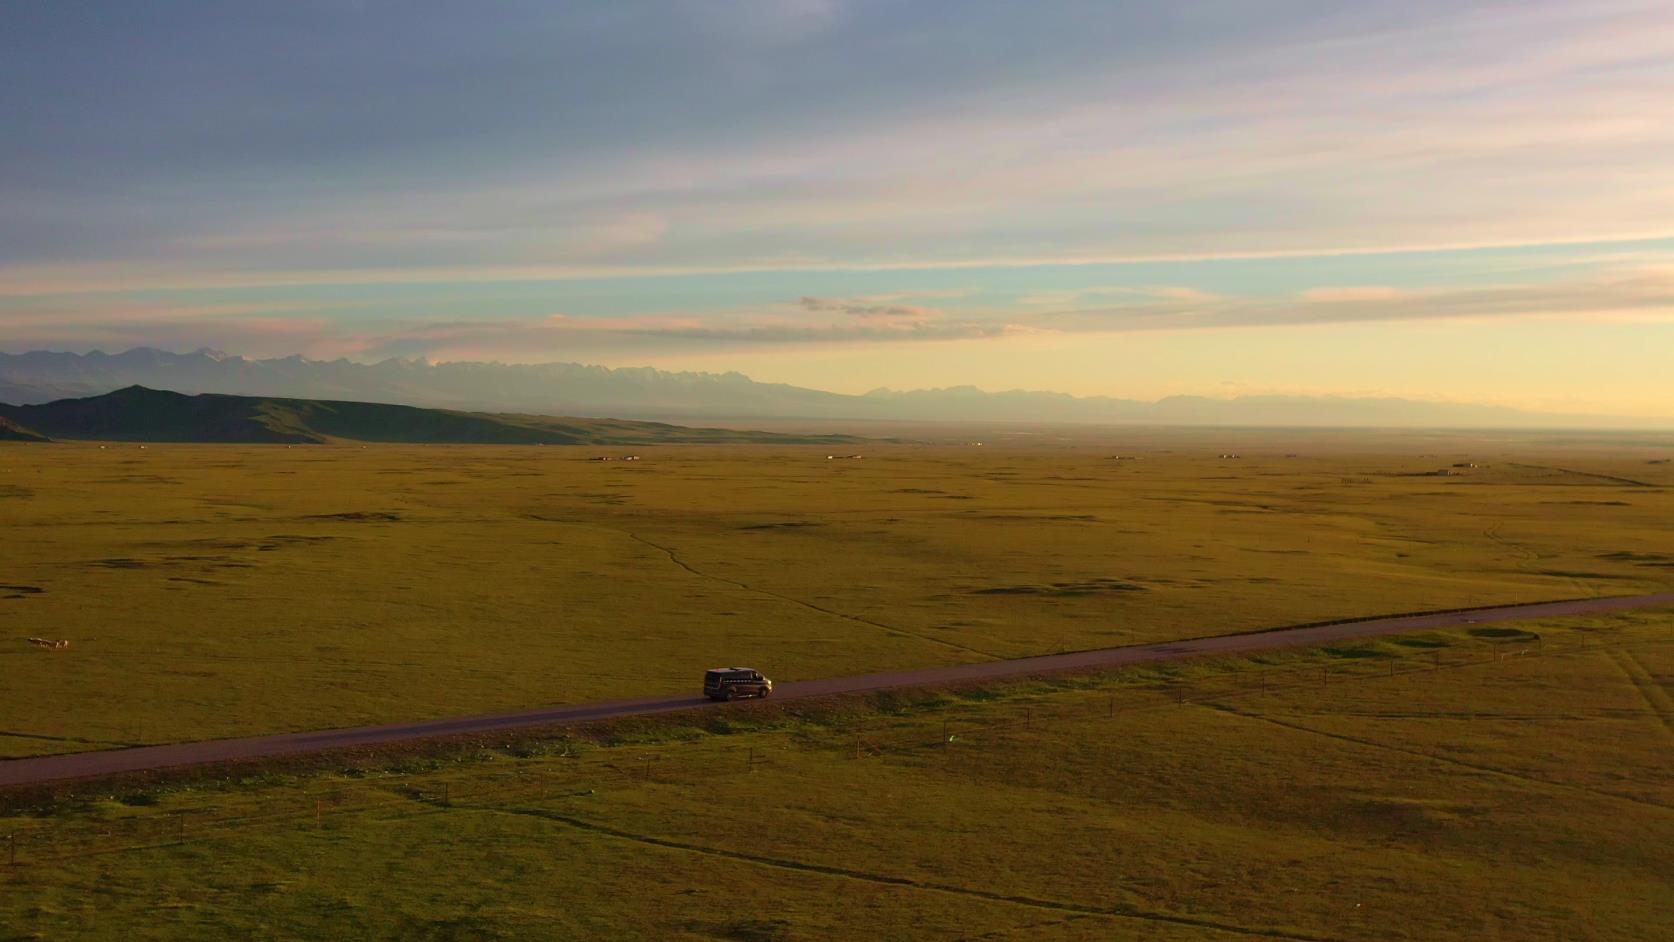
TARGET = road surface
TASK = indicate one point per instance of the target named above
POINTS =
(44, 769)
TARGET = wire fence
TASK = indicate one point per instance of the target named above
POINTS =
(574, 769)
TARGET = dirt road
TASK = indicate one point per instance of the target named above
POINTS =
(34, 771)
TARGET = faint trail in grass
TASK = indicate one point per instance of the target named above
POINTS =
(1629, 482)
(1657, 700)
(1477, 715)
(1530, 558)
(1123, 912)
(15, 734)
(1445, 760)
(675, 558)
(997, 934)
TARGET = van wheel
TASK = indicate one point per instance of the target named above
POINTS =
(726, 694)
(765, 692)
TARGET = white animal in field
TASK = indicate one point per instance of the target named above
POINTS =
(54, 644)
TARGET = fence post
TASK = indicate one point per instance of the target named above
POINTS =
(447, 800)
(944, 734)
(11, 838)
(1028, 717)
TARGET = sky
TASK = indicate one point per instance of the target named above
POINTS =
(1460, 200)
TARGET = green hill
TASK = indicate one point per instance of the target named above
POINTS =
(13, 432)
(150, 415)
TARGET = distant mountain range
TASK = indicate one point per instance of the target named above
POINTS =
(136, 413)
(644, 393)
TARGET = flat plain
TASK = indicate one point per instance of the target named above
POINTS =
(1490, 783)
(213, 591)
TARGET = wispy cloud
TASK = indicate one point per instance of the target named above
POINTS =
(1106, 133)
(827, 175)
(1352, 293)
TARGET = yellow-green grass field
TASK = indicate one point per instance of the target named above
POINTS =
(1492, 784)
(213, 591)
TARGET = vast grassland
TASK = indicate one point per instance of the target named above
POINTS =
(1495, 783)
(219, 590)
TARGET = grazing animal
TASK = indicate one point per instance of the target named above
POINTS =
(55, 645)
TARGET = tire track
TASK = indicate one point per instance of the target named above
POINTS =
(1626, 482)
(892, 629)
(1531, 559)
(80, 740)
(1657, 700)
(1121, 912)
(1491, 770)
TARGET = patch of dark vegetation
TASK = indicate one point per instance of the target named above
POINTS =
(917, 490)
(1581, 574)
(787, 525)
(139, 479)
(122, 563)
(1357, 652)
(20, 591)
(1036, 517)
(955, 497)
(1425, 643)
(272, 543)
(1659, 560)
(1591, 503)
(743, 930)
(360, 515)
(13, 490)
(454, 929)
(1062, 589)
(195, 581)
(1405, 816)
(1504, 633)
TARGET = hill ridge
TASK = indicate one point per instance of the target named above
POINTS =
(650, 393)
(141, 413)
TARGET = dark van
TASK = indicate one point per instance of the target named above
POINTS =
(726, 683)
